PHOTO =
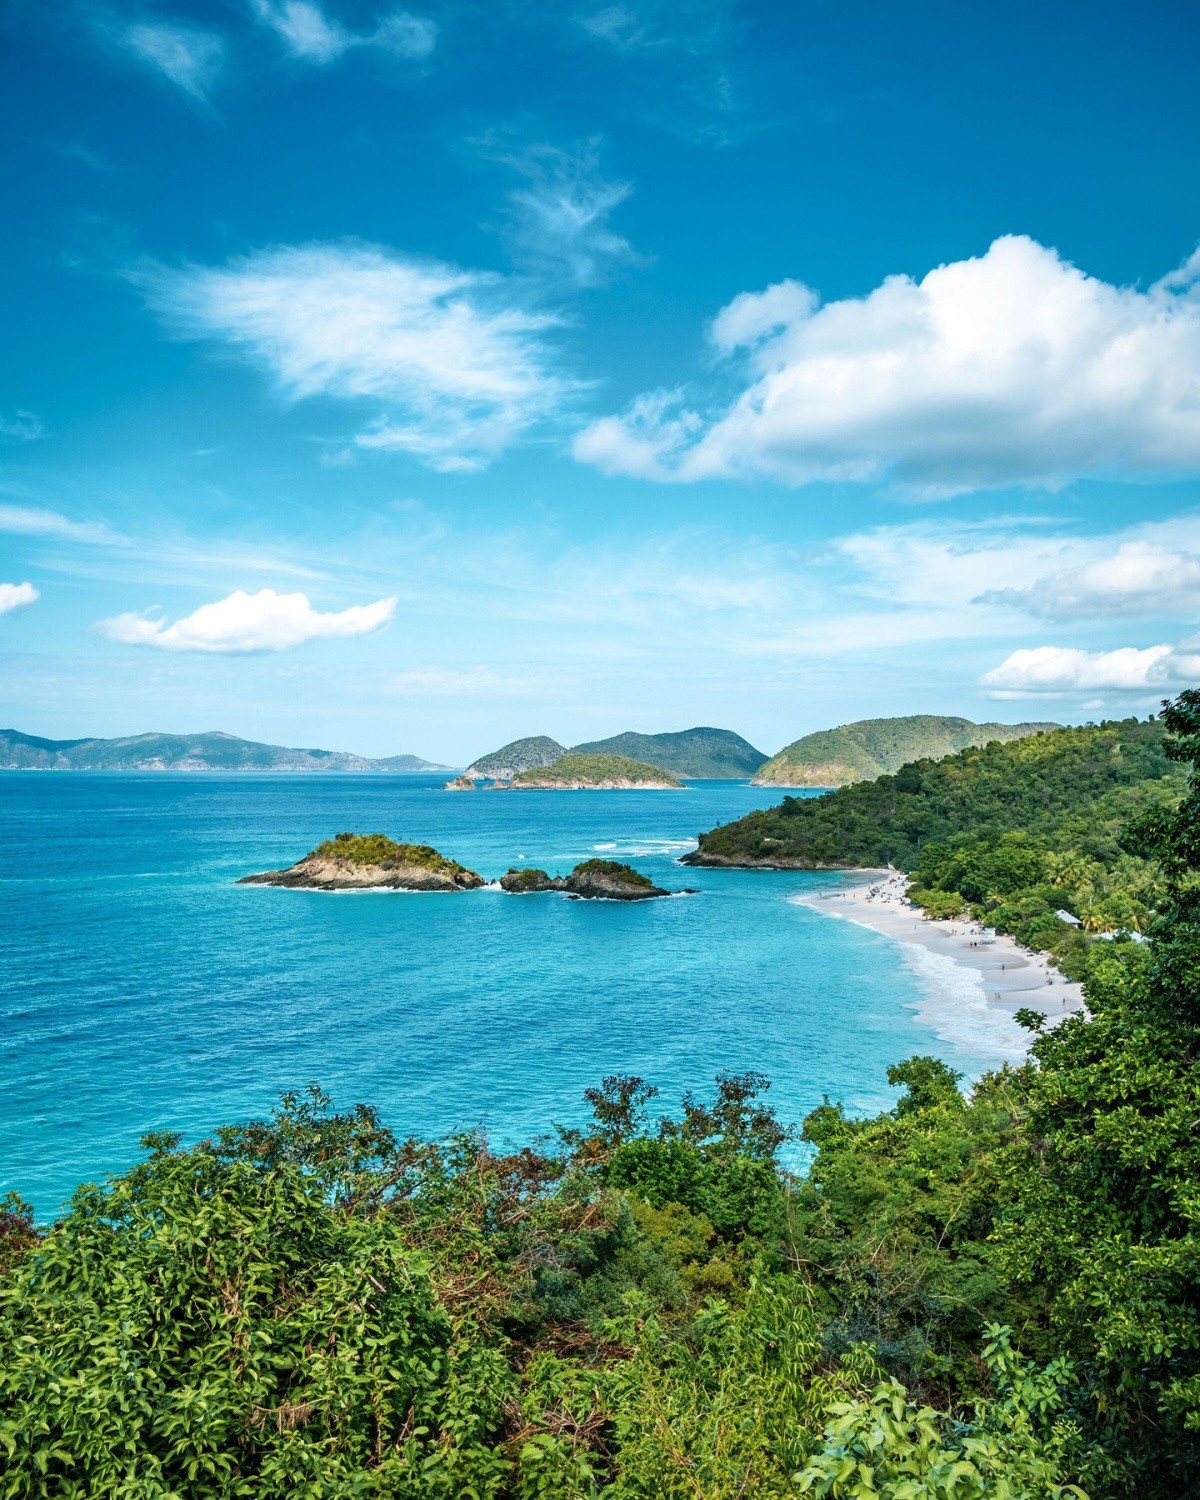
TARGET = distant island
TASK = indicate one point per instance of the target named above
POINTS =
(371, 861)
(701, 754)
(574, 772)
(517, 756)
(210, 751)
(594, 879)
(870, 748)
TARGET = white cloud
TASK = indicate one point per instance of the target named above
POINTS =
(311, 36)
(1138, 579)
(16, 596)
(191, 59)
(1055, 671)
(559, 221)
(28, 520)
(1009, 368)
(243, 622)
(457, 368)
(642, 442)
(22, 425)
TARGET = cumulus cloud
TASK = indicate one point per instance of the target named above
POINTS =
(311, 36)
(1013, 367)
(1138, 579)
(22, 425)
(16, 596)
(243, 622)
(190, 58)
(559, 221)
(1057, 671)
(456, 368)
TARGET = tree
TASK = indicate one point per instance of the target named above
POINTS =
(1106, 1210)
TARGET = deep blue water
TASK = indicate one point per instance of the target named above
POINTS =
(143, 989)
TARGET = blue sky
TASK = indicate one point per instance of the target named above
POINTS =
(409, 379)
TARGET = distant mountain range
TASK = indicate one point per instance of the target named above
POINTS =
(702, 753)
(212, 751)
(871, 748)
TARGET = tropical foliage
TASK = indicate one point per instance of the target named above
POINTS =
(378, 849)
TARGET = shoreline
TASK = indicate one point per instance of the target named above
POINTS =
(1009, 975)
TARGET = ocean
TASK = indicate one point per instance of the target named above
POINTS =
(143, 989)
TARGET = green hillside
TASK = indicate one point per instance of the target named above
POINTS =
(1018, 831)
(876, 747)
(703, 753)
(517, 756)
(576, 769)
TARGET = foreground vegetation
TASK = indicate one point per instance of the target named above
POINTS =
(992, 1296)
(1014, 832)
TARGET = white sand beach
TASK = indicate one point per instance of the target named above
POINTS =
(1010, 976)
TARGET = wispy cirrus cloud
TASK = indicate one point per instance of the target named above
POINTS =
(30, 520)
(244, 623)
(185, 55)
(558, 220)
(691, 46)
(1012, 368)
(17, 596)
(310, 34)
(24, 426)
(455, 362)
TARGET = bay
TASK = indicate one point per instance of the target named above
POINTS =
(143, 989)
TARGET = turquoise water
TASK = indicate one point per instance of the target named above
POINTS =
(143, 989)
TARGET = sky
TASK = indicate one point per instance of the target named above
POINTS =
(408, 380)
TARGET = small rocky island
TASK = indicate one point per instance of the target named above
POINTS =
(594, 879)
(371, 861)
(577, 772)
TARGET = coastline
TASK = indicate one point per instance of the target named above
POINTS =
(1008, 975)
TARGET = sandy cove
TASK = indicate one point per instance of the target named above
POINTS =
(1011, 976)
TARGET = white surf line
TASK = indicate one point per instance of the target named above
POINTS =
(1008, 976)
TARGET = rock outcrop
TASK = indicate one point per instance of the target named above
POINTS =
(359, 862)
(593, 880)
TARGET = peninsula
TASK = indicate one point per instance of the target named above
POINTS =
(1025, 837)
(371, 861)
(594, 879)
(575, 772)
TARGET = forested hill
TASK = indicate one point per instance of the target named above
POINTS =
(716, 754)
(1019, 830)
(877, 747)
